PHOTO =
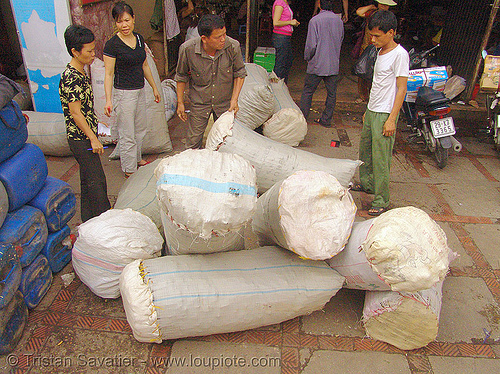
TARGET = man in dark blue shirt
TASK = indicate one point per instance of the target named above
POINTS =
(322, 52)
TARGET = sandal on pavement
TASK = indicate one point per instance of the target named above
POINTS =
(143, 163)
(377, 210)
(359, 101)
(358, 187)
(128, 174)
(317, 121)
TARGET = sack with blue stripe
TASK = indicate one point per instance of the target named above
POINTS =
(206, 199)
(110, 241)
(174, 297)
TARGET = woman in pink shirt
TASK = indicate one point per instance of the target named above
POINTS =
(283, 23)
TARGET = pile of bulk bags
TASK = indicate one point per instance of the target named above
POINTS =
(401, 259)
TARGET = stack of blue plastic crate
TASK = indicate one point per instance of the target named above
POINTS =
(34, 235)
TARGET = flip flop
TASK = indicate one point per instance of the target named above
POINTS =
(128, 174)
(358, 187)
(143, 163)
(377, 210)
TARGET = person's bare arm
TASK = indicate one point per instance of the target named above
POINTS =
(316, 7)
(149, 77)
(390, 124)
(345, 16)
(181, 109)
(75, 109)
(187, 10)
(278, 11)
(238, 83)
(109, 66)
(362, 10)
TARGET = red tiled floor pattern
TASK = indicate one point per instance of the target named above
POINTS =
(287, 336)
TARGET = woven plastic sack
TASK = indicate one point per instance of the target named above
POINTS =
(352, 263)
(282, 97)
(401, 250)
(405, 320)
(173, 297)
(139, 193)
(207, 191)
(180, 240)
(97, 72)
(4, 204)
(110, 241)
(169, 88)
(272, 161)
(256, 99)
(288, 126)
(309, 213)
(48, 131)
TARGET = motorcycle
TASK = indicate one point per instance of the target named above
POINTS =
(428, 117)
(493, 107)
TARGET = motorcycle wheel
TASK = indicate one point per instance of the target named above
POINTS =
(441, 155)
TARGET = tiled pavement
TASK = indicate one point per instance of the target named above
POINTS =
(73, 330)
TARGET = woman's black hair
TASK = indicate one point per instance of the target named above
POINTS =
(119, 8)
(76, 36)
(208, 23)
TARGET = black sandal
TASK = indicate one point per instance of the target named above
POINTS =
(358, 187)
(377, 210)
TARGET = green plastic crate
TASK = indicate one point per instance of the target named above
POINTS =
(265, 57)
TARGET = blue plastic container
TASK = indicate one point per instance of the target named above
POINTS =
(27, 231)
(13, 130)
(35, 281)
(58, 249)
(4, 203)
(13, 320)
(23, 175)
(10, 273)
(57, 201)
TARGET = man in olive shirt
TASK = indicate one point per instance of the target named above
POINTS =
(213, 66)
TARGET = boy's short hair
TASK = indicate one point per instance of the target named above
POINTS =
(208, 23)
(119, 8)
(76, 36)
(385, 20)
(326, 5)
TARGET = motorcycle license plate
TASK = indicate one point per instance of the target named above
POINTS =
(443, 127)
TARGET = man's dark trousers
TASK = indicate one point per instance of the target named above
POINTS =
(311, 83)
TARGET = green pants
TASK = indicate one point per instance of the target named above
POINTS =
(375, 150)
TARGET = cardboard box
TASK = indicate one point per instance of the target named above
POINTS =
(434, 77)
(265, 57)
(491, 74)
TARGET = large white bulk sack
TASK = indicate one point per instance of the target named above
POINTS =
(405, 320)
(273, 161)
(180, 240)
(169, 88)
(404, 248)
(110, 241)
(208, 193)
(309, 213)
(255, 106)
(282, 97)
(288, 126)
(139, 193)
(256, 99)
(174, 297)
(48, 131)
(352, 263)
(157, 139)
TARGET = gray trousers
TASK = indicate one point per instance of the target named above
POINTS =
(311, 82)
(131, 119)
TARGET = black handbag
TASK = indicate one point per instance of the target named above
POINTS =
(365, 63)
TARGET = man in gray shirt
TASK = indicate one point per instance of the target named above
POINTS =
(322, 52)
(213, 66)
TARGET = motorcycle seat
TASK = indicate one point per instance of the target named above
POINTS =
(428, 98)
